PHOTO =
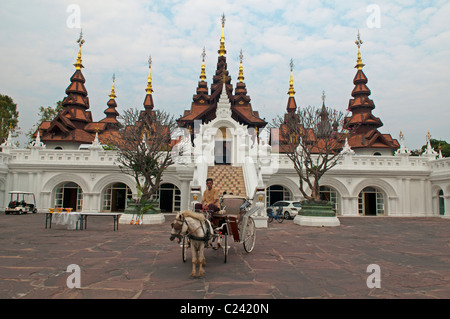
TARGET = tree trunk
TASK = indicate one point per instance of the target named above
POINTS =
(315, 192)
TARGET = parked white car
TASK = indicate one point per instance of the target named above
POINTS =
(290, 208)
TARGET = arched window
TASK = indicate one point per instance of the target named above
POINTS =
(69, 195)
(169, 198)
(331, 195)
(441, 202)
(115, 197)
(276, 193)
(371, 202)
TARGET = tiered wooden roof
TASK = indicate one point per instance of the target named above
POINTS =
(74, 124)
(362, 124)
(204, 105)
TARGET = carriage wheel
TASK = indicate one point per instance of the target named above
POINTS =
(249, 238)
(184, 247)
(225, 247)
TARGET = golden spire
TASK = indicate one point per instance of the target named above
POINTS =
(80, 42)
(241, 69)
(222, 50)
(149, 88)
(291, 82)
(203, 75)
(359, 64)
(113, 93)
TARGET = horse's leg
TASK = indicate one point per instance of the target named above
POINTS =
(194, 258)
(201, 260)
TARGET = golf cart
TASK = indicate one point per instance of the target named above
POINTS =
(21, 203)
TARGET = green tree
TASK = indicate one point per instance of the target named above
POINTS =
(45, 114)
(312, 139)
(144, 147)
(9, 116)
(436, 145)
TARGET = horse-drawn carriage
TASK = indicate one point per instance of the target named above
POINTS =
(212, 229)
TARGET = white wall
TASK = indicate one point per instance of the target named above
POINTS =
(409, 183)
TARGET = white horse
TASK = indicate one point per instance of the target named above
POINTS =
(200, 233)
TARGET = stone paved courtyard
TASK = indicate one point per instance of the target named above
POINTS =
(288, 261)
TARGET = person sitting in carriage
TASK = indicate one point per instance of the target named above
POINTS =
(210, 199)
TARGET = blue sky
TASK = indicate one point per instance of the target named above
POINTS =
(406, 55)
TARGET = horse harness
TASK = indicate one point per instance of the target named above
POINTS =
(207, 232)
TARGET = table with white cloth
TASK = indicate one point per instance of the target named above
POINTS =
(72, 219)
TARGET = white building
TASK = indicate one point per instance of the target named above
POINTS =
(69, 167)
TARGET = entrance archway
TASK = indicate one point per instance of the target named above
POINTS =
(115, 197)
(169, 197)
(222, 147)
(276, 193)
(441, 202)
(69, 195)
(371, 202)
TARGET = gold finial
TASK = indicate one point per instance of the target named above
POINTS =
(80, 42)
(222, 50)
(359, 64)
(203, 74)
(113, 93)
(149, 88)
(241, 69)
(291, 82)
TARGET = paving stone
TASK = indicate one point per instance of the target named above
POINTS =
(289, 261)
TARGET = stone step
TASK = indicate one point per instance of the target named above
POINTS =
(228, 179)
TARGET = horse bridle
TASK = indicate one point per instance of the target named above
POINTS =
(178, 225)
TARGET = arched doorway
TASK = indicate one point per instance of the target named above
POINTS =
(441, 202)
(276, 193)
(115, 197)
(222, 147)
(371, 202)
(69, 195)
(331, 195)
(169, 198)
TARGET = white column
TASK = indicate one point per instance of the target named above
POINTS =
(428, 205)
(14, 181)
(185, 195)
(45, 202)
(407, 197)
(350, 206)
(31, 180)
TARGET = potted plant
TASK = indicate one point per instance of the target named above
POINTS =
(141, 206)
